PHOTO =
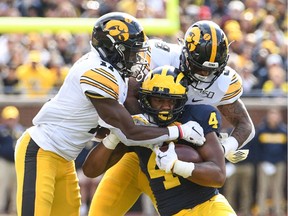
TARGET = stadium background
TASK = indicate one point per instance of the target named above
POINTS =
(31, 20)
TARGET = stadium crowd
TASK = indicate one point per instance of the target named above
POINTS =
(35, 64)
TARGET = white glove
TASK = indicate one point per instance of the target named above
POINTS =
(230, 145)
(110, 141)
(165, 160)
(190, 131)
(168, 161)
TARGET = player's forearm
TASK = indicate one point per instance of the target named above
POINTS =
(131, 102)
(208, 174)
(238, 116)
(96, 161)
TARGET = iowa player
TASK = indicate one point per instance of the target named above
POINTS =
(162, 97)
(92, 95)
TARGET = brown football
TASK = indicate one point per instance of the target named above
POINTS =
(185, 153)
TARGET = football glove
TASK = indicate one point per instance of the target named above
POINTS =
(190, 131)
(230, 145)
(110, 141)
(168, 161)
(165, 160)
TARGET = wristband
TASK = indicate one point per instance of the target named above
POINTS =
(183, 169)
(229, 144)
(173, 132)
(110, 141)
(180, 132)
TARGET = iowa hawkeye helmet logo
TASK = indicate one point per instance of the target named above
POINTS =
(193, 38)
(118, 29)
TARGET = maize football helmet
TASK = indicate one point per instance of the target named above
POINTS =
(163, 82)
(205, 48)
(120, 40)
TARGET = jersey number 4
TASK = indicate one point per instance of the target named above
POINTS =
(170, 180)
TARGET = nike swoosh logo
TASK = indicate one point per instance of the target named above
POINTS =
(194, 100)
(161, 157)
(193, 128)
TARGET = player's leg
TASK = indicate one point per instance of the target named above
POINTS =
(148, 199)
(216, 206)
(118, 190)
(67, 199)
(4, 185)
(278, 188)
(35, 178)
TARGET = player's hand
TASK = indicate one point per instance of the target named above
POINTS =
(110, 141)
(192, 132)
(230, 145)
(165, 160)
(237, 156)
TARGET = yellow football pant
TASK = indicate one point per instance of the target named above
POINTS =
(46, 183)
(216, 206)
(123, 183)
(120, 188)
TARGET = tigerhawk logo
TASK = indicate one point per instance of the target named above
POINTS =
(118, 29)
(193, 38)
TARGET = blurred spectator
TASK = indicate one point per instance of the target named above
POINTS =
(219, 10)
(260, 69)
(65, 45)
(238, 188)
(269, 30)
(276, 85)
(257, 8)
(59, 71)
(271, 141)
(248, 78)
(10, 131)
(35, 78)
(10, 81)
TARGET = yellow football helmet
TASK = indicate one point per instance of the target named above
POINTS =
(164, 82)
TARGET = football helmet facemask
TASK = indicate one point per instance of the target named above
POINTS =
(120, 40)
(205, 48)
(163, 82)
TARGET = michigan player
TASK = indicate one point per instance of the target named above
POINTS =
(193, 190)
(203, 58)
(92, 95)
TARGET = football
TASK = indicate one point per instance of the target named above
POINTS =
(185, 153)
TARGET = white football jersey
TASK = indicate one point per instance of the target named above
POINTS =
(68, 121)
(225, 90)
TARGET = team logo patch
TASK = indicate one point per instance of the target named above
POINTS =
(117, 29)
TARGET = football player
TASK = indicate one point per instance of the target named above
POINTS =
(91, 96)
(202, 57)
(177, 187)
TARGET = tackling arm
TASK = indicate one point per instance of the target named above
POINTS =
(237, 114)
(101, 159)
(116, 118)
(131, 102)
